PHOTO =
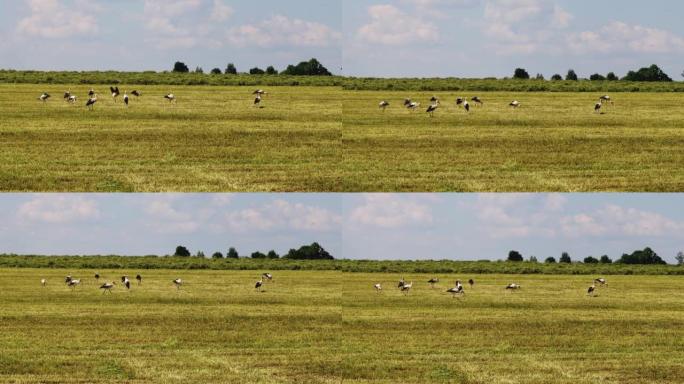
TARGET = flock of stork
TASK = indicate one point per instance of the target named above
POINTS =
(457, 289)
(92, 97)
(463, 102)
(126, 282)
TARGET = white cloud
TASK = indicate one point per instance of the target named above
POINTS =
(221, 12)
(58, 209)
(283, 31)
(281, 214)
(615, 220)
(390, 211)
(622, 37)
(53, 20)
(391, 26)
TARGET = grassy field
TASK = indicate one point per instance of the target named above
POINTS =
(212, 139)
(553, 142)
(331, 327)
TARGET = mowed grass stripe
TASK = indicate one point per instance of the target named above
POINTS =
(553, 142)
(212, 139)
(331, 327)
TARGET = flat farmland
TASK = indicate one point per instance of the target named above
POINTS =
(211, 139)
(332, 327)
(553, 142)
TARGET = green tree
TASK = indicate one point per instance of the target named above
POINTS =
(258, 255)
(652, 73)
(533, 259)
(539, 76)
(272, 255)
(521, 73)
(680, 258)
(556, 77)
(597, 77)
(565, 258)
(216, 71)
(180, 67)
(271, 70)
(200, 254)
(515, 256)
(217, 255)
(181, 251)
(571, 76)
(231, 69)
(605, 260)
(550, 260)
(199, 70)
(645, 256)
(309, 252)
(256, 71)
(232, 253)
(611, 77)
(307, 68)
(590, 260)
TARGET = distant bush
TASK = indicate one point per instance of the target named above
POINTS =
(256, 71)
(180, 67)
(515, 256)
(521, 74)
(605, 260)
(597, 77)
(550, 260)
(557, 77)
(647, 256)
(565, 258)
(307, 68)
(182, 251)
(571, 76)
(590, 260)
(648, 74)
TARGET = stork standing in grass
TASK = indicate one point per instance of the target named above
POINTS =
(433, 281)
(257, 101)
(267, 276)
(126, 282)
(401, 283)
(107, 287)
(259, 92)
(459, 100)
(178, 282)
(432, 108)
(513, 287)
(125, 98)
(97, 277)
(67, 95)
(597, 108)
(115, 92)
(471, 282)
(477, 101)
(377, 287)
(606, 99)
(43, 282)
(407, 287)
(73, 283)
(90, 104)
(601, 281)
(383, 105)
(91, 93)
(412, 105)
(466, 105)
(170, 97)
(139, 278)
(136, 93)
(72, 99)
(591, 289)
(67, 279)
(514, 104)
(258, 284)
(457, 289)
(44, 97)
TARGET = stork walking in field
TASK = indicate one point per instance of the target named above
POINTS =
(457, 289)
(126, 282)
(259, 92)
(139, 278)
(267, 276)
(73, 283)
(383, 105)
(466, 105)
(432, 108)
(170, 97)
(591, 290)
(597, 108)
(136, 93)
(178, 283)
(115, 92)
(125, 98)
(477, 101)
(43, 282)
(471, 282)
(401, 283)
(601, 281)
(459, 100)
(606, 99)
(97, 277)
(377, 287)
(257, 101)
(512, 287)
(90, 104)
(433, 281)
(107, 287)
(411, 105)
(72, 99)
(258, 284)
(514, 104)
(91, 93)
(407, 287)
(44, 97)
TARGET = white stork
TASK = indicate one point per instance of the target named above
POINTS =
(591, 289)
(377, 287)
(67, 279)
(471, 282)
(412, 105)
(267, 275)
(170, 97)
(91, 102)
(178, 282)
(73, 283)
(466, 106)
(605, 99)
(139, 278)
(67, 95)
(125, 98)
(432, 108)
(513, 287)
(136, 93)
(514, 104)
(126, 282)
(433, 281)
(44, 97)
(457, 289)
(383, 105)
(43, 282)
(597, 107)
(401, 283)
(72, 99)
(257, 101)
(459, 100)
(601, 281)
(107, 287)
(407, 287)
(91, 93)
(115, 92)
(259, 92)
(477, 101)
(258, 284)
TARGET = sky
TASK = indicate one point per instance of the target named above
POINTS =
(353, 226)
(383, 38)
(482, 38)
(135, 35)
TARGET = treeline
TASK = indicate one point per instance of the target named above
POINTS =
(367, 266)
(647, 256)
(313, 251)
(645, 74)
(306, 68)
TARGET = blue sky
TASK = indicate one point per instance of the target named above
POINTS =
(366, 226)
(479, 38)
(153, 34)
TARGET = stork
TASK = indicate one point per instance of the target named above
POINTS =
(125, 98)
(477, 100)
(471, 282)
(67, 279)
(601, 281)
(115, 92)
(606, 99)
(91, 93)
(107, 287)
(43, 282)
(412, 105)
(432, 108)
(434, 99)
(170, 97)
(139, 278)
(466, 106)
(433, 281)
(44, 97)
(73, 283)
(67, 95)
(126, 282)
(591, 289)
(257, 101)
(514, 104)
(259, 92)
(267, 275)
(460, 100)
(407, 287)
(597, 107)
(178, 282)
(91, 102)
(383, 105)
(258, 284)
(401, 283)
(377, 287)
(513, 286)
(72, 99)
(97, 277)
(136, 93)
(457, 289)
